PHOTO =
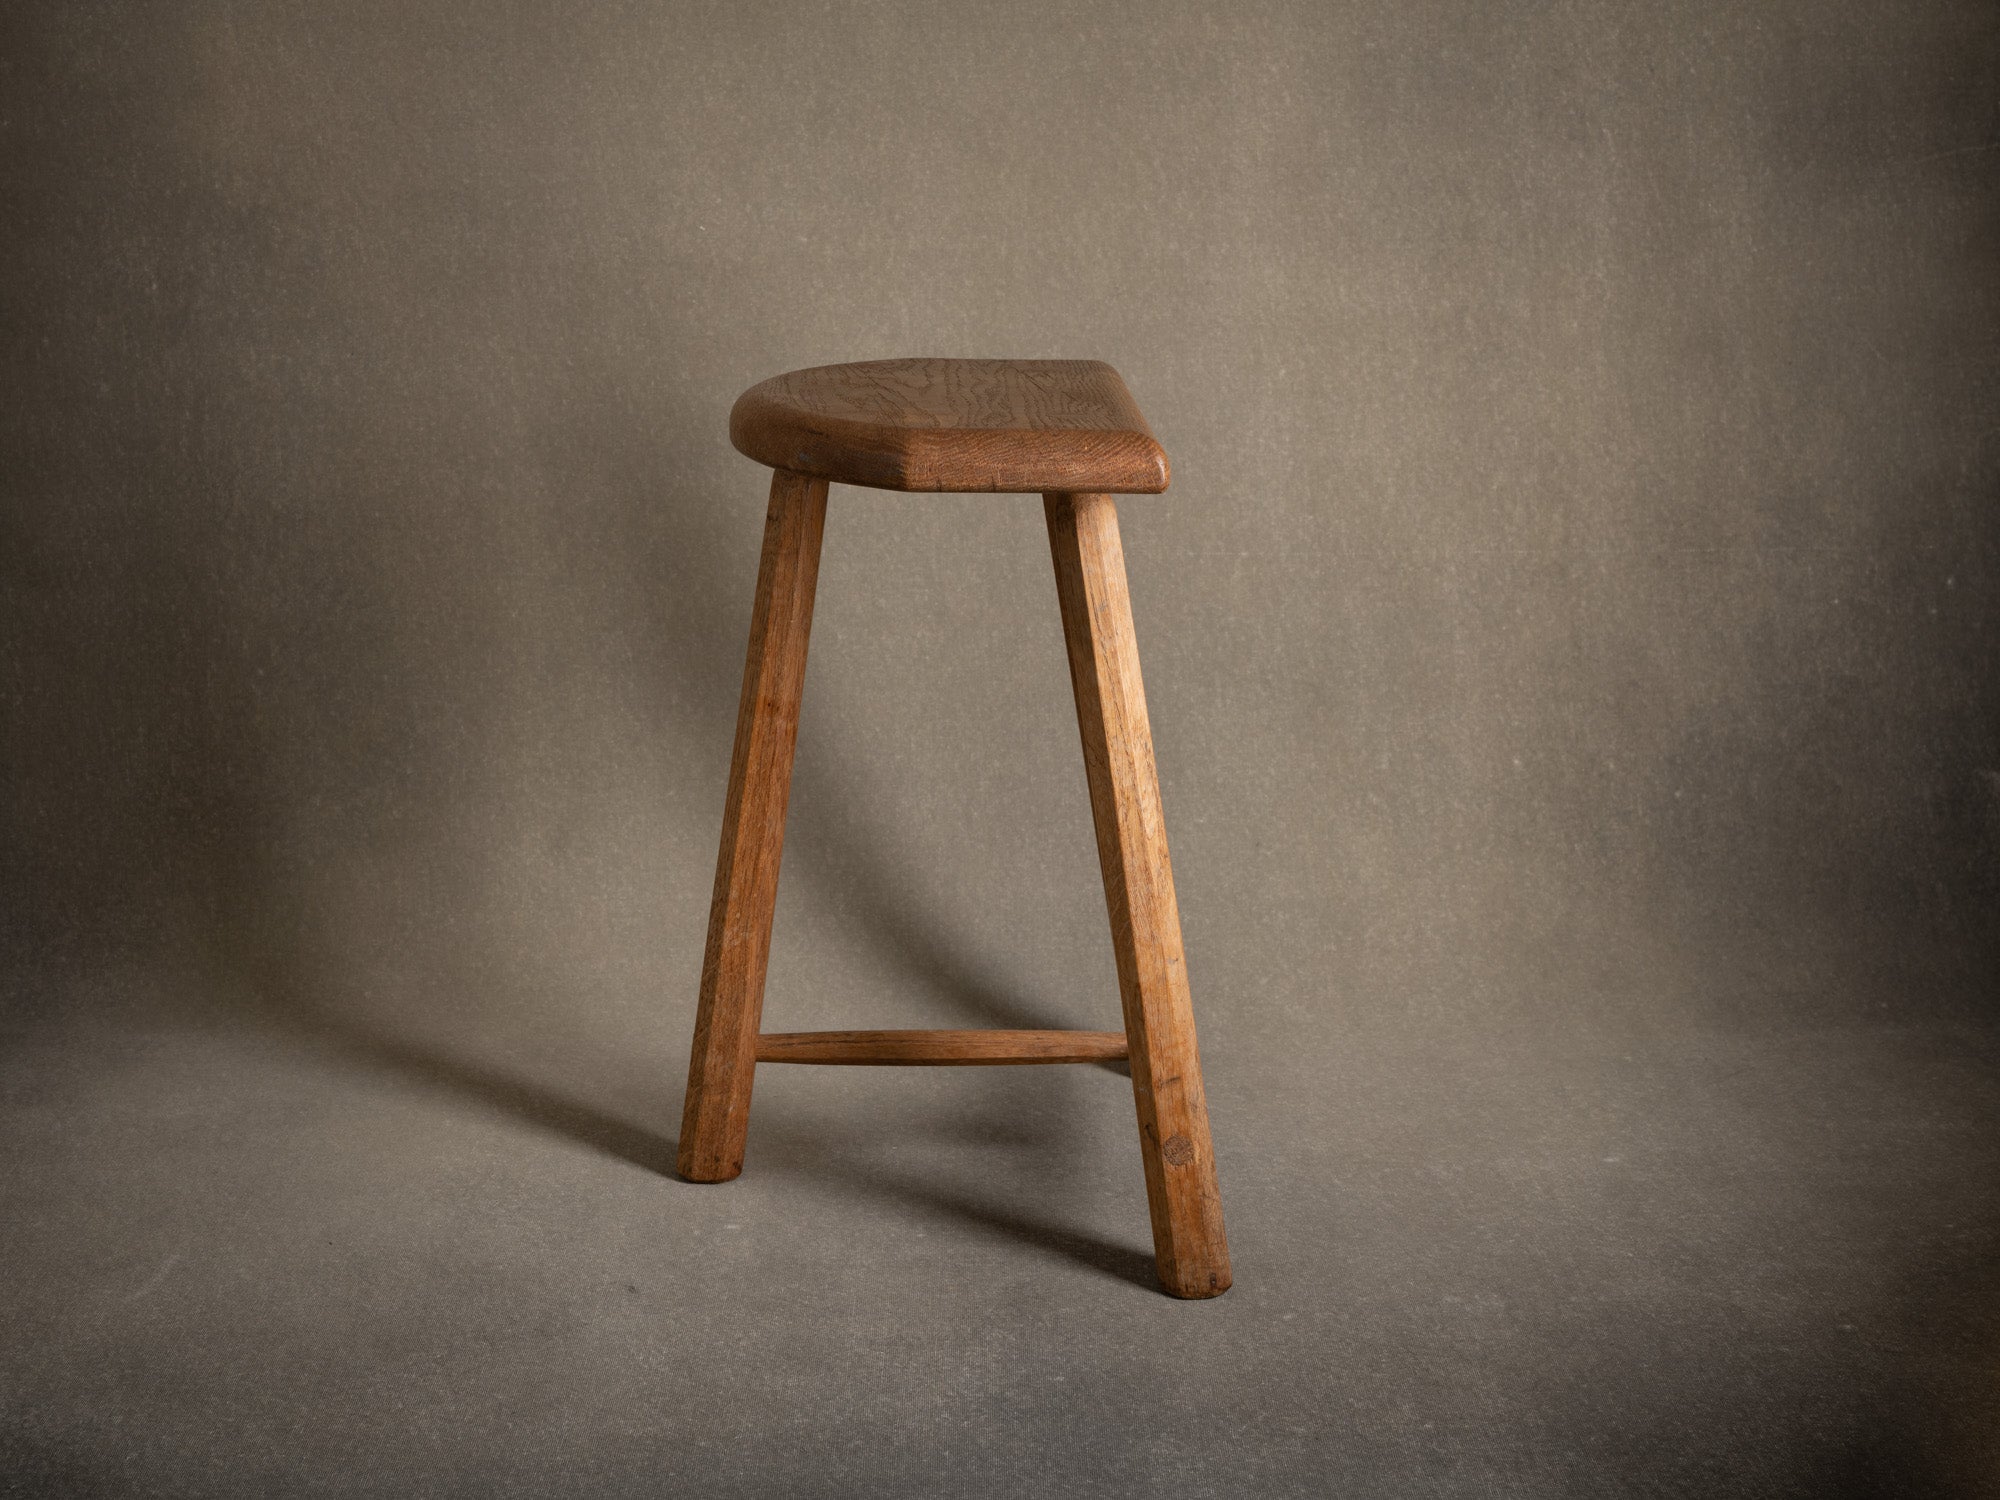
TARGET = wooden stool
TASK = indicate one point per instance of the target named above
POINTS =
(1069, 429)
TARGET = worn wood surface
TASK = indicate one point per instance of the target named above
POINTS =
(940, 1048)
(1022, 425)
(1190, 1250)
(723, 1065)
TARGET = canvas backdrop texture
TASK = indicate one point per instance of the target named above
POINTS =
(1569, 634)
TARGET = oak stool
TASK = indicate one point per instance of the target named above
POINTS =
(1068, 429)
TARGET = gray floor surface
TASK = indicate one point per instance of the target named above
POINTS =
(260, 1250)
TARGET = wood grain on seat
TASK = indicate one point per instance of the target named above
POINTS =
(1008, 425)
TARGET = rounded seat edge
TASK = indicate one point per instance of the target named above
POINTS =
(778, 432)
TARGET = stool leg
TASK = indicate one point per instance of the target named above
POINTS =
(1188, 1243)
(717, 1115)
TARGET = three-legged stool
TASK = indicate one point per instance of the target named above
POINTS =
(1069, 429)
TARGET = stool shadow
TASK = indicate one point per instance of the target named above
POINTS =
(508, 1095)
(786, 1150)
(1122, 1262)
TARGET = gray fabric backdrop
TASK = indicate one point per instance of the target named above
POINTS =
(1570, 639)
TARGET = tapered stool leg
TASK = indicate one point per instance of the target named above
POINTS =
(721, 1070)
(1188, 1243)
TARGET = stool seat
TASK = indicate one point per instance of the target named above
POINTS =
(991, 425)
